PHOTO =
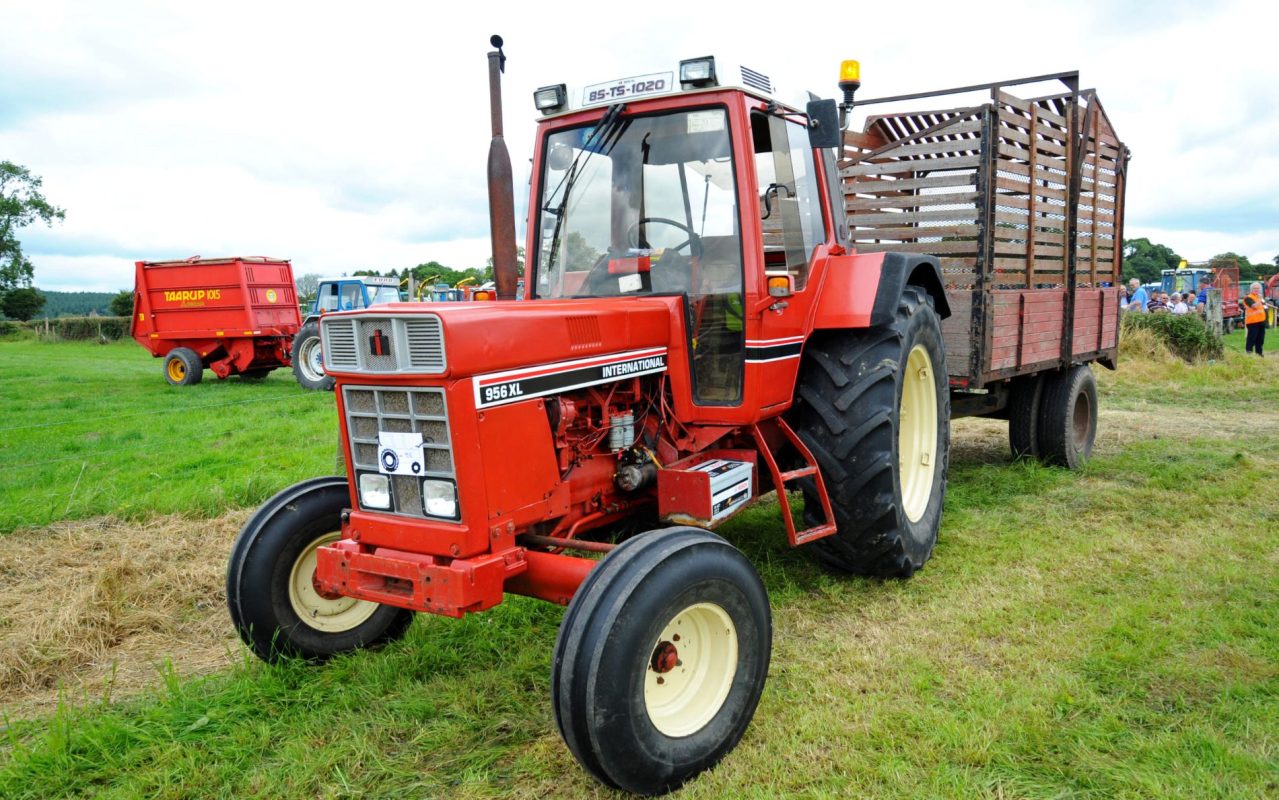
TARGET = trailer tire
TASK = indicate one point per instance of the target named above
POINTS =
(1068, 417)
(884, 470)
(270, 588)
(183, 367)
(1024, 398)
(640, 709)
(308, 364)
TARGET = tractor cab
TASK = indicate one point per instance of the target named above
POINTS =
(706, 187)
(350, 294)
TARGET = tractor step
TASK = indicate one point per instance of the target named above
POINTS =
(776, 426)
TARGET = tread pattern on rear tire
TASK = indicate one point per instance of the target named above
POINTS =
(848, 398)
(1024, 398)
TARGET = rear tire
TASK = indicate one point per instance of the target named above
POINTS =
(1024, 398)
(308, 359)
(1068, 417)
(183, 367)
(274, 604)
(661, 659)
(885, 471)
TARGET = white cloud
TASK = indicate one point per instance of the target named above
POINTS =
(345, 138)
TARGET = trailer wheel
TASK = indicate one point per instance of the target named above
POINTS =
(1024, 398)
(183, 367)
(874, 409)
(308, 359)
(661, 659)
(275, 604)
(1068, 417)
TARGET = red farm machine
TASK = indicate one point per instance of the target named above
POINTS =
(726, 296)
(235, 316)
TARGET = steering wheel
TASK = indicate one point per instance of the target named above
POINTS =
(693, 242)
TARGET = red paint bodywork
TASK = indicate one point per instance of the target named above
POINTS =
(517, 475)
(236, 313)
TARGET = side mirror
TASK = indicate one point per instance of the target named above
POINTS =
(823, 124)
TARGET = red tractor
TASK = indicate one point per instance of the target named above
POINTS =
(697, 332)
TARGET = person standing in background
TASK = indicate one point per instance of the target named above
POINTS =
(1137, 297)
(1254, 317)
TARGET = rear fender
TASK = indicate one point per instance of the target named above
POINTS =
(861, 291)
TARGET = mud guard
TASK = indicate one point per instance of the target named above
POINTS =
(861, 291)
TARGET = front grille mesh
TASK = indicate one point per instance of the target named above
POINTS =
(421, 410)
(385, 344)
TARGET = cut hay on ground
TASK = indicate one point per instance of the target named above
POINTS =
(96, 607)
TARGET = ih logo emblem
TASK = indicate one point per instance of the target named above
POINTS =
(379, 343)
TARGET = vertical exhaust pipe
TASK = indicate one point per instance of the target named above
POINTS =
(501, 185)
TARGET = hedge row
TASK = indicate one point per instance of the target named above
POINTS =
(80, 328)
(1186, 335)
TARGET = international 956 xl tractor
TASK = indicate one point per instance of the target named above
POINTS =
(727, 298)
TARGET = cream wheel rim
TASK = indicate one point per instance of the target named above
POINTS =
(326, 614)
(690, 670)
(917, 433)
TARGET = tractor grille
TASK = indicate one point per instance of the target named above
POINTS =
(384, 344)
(371, 410)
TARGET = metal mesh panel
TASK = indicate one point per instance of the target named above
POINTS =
(421, 410)
(382, 330)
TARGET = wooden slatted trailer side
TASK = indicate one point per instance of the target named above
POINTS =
(1018, 199)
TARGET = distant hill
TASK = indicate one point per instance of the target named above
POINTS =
(75, 304)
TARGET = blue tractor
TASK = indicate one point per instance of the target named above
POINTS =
(335, 294)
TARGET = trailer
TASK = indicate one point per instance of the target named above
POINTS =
(726, 297)
(234, 316)
(1022, 202)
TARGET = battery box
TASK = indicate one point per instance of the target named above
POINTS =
(705, 492)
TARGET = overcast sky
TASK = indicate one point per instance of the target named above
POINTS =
(352, 136)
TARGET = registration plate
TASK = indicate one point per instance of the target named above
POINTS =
(613, 91)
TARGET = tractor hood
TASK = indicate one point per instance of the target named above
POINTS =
(457, 340)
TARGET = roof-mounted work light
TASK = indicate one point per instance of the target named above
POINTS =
(550, 99)
(695, 73)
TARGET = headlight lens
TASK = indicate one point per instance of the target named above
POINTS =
(439, 499)
(375, 490)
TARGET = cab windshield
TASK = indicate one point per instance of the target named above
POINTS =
(635, 205)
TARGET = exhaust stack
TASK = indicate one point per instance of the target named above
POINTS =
(501, 185)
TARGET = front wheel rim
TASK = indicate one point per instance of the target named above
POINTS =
(917, 433)
(689, 671)
(325, 614)
(312, 359)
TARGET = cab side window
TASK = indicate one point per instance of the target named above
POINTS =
(329, 297)
(789, 203)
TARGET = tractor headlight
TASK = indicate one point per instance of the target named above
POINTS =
(439, 499)
(375, 490)
(550, 99)
(697, 72)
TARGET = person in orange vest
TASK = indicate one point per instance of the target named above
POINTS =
(1255, 318)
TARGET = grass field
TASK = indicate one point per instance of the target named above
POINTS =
(94, 429)
(1108, 633)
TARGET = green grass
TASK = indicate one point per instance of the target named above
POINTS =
(94, 429)
(1108, 633)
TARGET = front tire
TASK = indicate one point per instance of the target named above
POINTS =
(874, 409)
(661, 659)
(274, 602)
(308, 359)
